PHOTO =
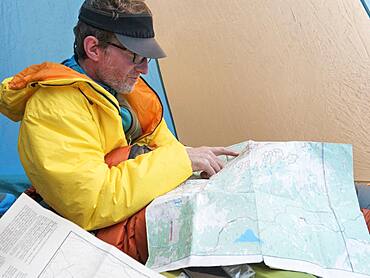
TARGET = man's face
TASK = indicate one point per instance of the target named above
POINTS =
(117, 69)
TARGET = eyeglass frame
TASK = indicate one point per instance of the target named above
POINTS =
(137, 62)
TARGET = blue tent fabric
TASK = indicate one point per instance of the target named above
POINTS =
(366, 4)
(6, 200)
(33, 32)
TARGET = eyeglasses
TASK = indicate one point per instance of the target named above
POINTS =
(136, 58)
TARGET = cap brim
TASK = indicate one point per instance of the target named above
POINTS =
(146, 47)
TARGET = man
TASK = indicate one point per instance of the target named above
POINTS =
(92, 139)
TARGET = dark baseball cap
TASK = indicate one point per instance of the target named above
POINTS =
(133, 31)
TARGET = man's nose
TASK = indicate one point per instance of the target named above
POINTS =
(142, 67)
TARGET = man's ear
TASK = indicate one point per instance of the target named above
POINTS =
(92, 49)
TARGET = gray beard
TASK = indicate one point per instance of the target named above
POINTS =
(127, 89)
(124, 90)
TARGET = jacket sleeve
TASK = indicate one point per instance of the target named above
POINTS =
(61, 150)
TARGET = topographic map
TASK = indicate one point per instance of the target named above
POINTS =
(292, 205)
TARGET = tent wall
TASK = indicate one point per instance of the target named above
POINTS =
(33, 32)
(366, 4)
(268, 70)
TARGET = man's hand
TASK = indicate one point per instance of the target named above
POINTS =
(205, 159)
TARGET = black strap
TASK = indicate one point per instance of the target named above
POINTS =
(132, 25)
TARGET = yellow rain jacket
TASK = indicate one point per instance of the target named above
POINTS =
(69, 123)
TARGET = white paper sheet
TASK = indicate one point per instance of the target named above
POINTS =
(35, 242)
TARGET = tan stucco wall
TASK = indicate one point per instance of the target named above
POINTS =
(268, 70)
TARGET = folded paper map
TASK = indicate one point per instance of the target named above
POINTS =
(292, 205)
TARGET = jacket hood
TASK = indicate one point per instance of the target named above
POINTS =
(15, 91)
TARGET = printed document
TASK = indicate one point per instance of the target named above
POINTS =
(35, 242)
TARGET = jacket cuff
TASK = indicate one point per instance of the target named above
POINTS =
(118, 155)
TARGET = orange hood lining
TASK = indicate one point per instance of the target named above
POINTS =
(143, 99)
(43, 72)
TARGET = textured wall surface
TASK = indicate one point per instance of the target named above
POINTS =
(268, 70)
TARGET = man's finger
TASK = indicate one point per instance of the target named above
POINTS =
(223, 151)
(213, 160)
(219, 162)
(209, 170)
